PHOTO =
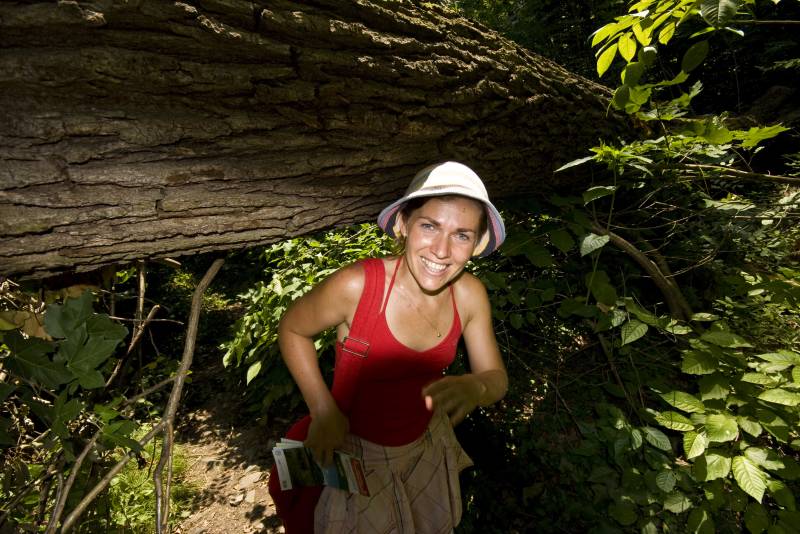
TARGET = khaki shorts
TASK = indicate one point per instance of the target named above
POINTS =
(413, 488)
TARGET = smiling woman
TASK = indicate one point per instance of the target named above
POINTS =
(398, 321)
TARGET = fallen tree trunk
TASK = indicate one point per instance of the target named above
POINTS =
(152, 129)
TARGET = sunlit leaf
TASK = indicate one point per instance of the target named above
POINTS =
(724, 339)
(694, 444)
(592, 242)
(698, 363)
(627, 47)
(782, 494)
(721, 427)
(755, 135)
(684, 401)
(674, 421)
(718, 13)
(605, 59)
(575, 163)
(666, 33)
(665, 480)
(749, 425)
(253, 370)
(780, 396)
(656, 438)
(749, 477)
(782, 356)
(713, 465)
(677, 503)
(632, 330)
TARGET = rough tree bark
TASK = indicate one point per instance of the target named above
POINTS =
(153, 128)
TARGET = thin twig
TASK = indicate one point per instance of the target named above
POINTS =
(73, 516)
(138, 332)
(168, 419)
(61, 501)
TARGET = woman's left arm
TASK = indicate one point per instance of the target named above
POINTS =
(488, 381)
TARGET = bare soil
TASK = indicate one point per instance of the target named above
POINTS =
(229, 456)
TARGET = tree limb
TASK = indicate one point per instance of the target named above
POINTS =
(168, 419)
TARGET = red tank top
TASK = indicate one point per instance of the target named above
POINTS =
(388, 407)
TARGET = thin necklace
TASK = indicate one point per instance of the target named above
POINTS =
(419, 311)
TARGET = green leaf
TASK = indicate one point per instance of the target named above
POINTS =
(749, 425)
(592, 242)
(765, 458)
(64, 412)
(713, 465)
(759, 378)
(694, 444)
(756, 518)
(666, 33)
(677, 503)
(700, 521)
(575, 163)
(714, 386)
(694, 56)
(253, 370)
(600, 191)
(780, 396)
(601, 288)
(796, 374)
(605, 59)
(632, 74)
(674, 421)
(627, 47)
(718, 13)
(724, 339)
(656, 438)
(562, 240)
(684, 401)
(755, 135)
(624, 513)
(29, 360)
(632, 330)
(749, 477)
(5, 390)
(787, 357)
(721, 427)
(665, 480)
(538, 255)
(698, 363)
(622, 95)
(61, 319)
(647, 54)
(91, 379)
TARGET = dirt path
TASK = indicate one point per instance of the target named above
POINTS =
(229, 457)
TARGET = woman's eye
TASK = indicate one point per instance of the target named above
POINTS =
(427, 226)
(463, 237)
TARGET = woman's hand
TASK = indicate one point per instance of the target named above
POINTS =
(326, 433)
(456, 396)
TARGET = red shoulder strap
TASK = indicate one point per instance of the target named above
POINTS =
(354, 348)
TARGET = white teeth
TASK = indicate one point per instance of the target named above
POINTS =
(434, 266)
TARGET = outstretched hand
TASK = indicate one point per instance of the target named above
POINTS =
(456, 396)
(326, 433)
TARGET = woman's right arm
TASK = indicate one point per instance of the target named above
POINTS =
(329, 304)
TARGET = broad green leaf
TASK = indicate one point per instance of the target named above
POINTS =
(787, 357)
(765, 458)
(29, 361)
(755, 135)
(90, 379)
(694, 56)
(600, 191)
(700, 521)
(724, 339)
(713, 465)
(643, 36)
(759, 378)
(592, 242)
(718, 13)
(601, 288)
(694, 444)
(749, 477)
(61, 319)
(604, 32)
(677, 503)
(684, 401)
(780, 396)
(665, 480)
(538, 255)
(627, 47)
(102, 326)
(562, 240)
(721, 427)
(674, 421)
(647, 55)
(605, 59)
(632, 330)
(796, 374)
(656, 438)
(714, 386)
(64, 412)
(622, 95)
(698, 363)
(96, 351)
(749, 425)
(623, 512)
(666, 33)
(756, 518)
(782, 494)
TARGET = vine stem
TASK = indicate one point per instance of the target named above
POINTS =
(168, 419)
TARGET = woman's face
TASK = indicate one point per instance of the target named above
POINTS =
(441, 236)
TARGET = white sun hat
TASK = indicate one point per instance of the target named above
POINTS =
(449, 178)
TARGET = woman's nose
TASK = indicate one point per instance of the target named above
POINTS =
(441, 246)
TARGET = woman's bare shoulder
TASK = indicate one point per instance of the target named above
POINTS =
(470, 293)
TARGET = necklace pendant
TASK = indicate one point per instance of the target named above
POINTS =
(438, 334)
